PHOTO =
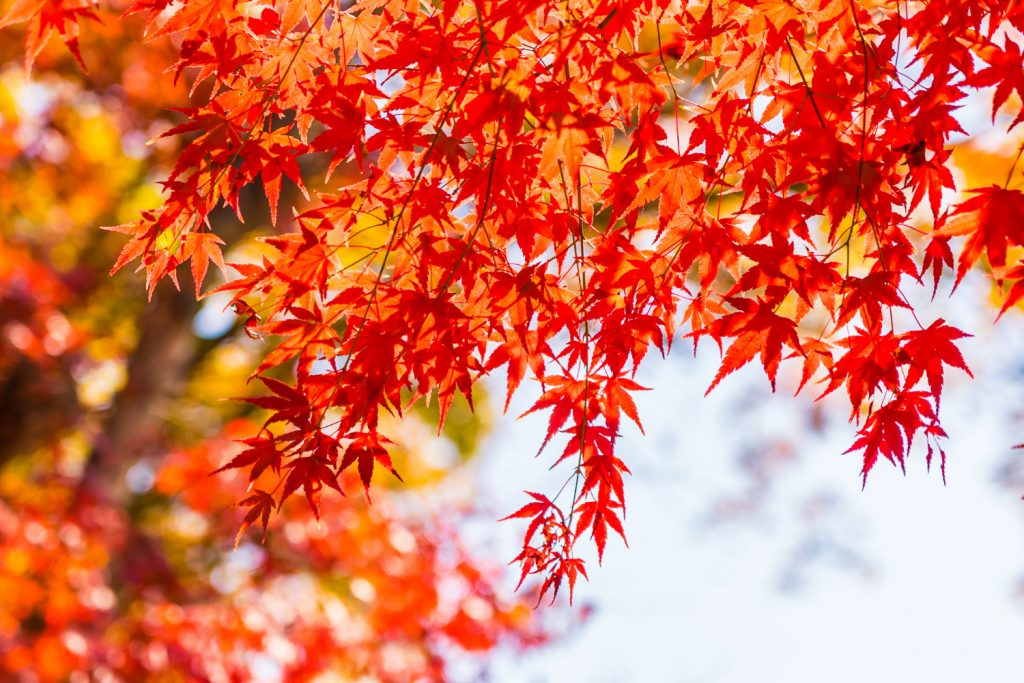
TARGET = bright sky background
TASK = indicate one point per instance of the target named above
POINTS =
(744, 566)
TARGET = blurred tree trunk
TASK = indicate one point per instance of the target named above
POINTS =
(157, 370)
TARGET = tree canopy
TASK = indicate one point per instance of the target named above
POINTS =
(550, 190)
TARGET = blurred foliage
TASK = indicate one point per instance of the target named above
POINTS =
(116, 557)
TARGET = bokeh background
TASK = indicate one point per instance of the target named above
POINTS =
(120, 558)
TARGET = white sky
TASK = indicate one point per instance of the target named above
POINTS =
(815, 579)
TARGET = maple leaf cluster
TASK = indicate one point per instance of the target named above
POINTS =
(554, 189)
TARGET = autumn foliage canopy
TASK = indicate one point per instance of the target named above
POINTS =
(552, 190)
